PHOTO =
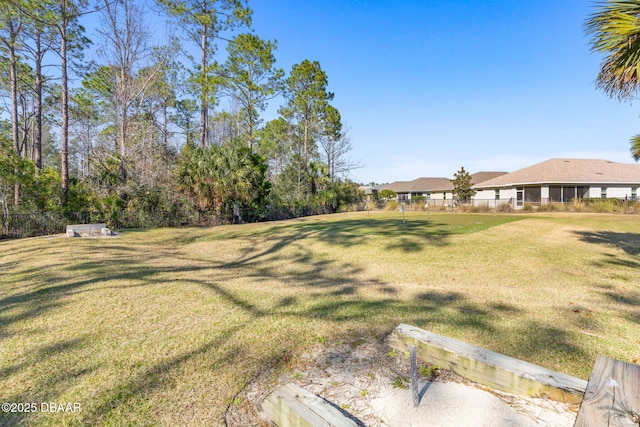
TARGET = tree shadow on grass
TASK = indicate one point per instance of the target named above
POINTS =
(60, 377)
(350, 232)
(628, 302)
(331, 294)
(628, 242)
(537, 341)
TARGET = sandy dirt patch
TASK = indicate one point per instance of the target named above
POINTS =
(371, 385)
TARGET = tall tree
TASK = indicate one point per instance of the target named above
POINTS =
(40, 36)
(275, 144)
(164, 87)
(204, 21)
(335, 144)
(12, 25)
(308, 99)
(11, 28)
(85, 113)
(124, 47)
(64, 15)
(250, 77)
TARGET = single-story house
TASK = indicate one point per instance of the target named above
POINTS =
(561, 180)
(420, 189)
(432, 190)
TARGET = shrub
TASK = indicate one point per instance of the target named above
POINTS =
(387, 194)
(603, 205)
(392, 205)
(418, 203)
(547, 207)
(504, 208)
(577, 205)
(484, 208)
(528, 207)
(632, 207)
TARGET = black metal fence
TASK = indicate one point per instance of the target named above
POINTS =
(14, 226)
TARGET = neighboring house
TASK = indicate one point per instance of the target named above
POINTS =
(561, 180)
(437, 191)
(421, 189)
(367, 190)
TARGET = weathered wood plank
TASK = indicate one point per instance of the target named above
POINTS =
(293, 406)
(612, 397)
(487, 367)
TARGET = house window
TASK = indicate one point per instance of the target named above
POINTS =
(428, 196)
(444, 196)
(634, 193)
(603, 192)
(497, 194)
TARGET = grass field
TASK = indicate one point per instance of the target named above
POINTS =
(166, 327)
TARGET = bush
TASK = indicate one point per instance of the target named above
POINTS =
(392, 206)
(630, 207)
(603, 205)
(504, 208)
(387, 194)
(547, 207)
(482, 208)
(577, 205)
(528, 207)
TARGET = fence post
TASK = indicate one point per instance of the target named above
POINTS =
(414, 376)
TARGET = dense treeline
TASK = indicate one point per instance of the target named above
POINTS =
(102, 121)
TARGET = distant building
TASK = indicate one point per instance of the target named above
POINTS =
(562, 180)
(436, 191)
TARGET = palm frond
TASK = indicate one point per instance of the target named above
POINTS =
(635, 147)
(614, 30)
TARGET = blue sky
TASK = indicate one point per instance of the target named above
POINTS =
(429, 86)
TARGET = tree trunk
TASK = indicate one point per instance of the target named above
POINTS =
(13, 77)
(204, 94)
(250, 117)
(305, 142)
(64, 127)
(165, 126)
(123, 145)
(38, 105)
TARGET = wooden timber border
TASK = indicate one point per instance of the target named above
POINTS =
(611, 397)
(293, 406)
(488, 368)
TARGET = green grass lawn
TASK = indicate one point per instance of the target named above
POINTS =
(166, 327)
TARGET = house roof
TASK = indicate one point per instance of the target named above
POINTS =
(419, 185)
(569, 171)
(366, 189)
(480, 177)
(423, 185)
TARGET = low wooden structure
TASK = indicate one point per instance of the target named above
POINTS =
(612, 397)
(293, 406)
(87, 230)
(488, 368)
